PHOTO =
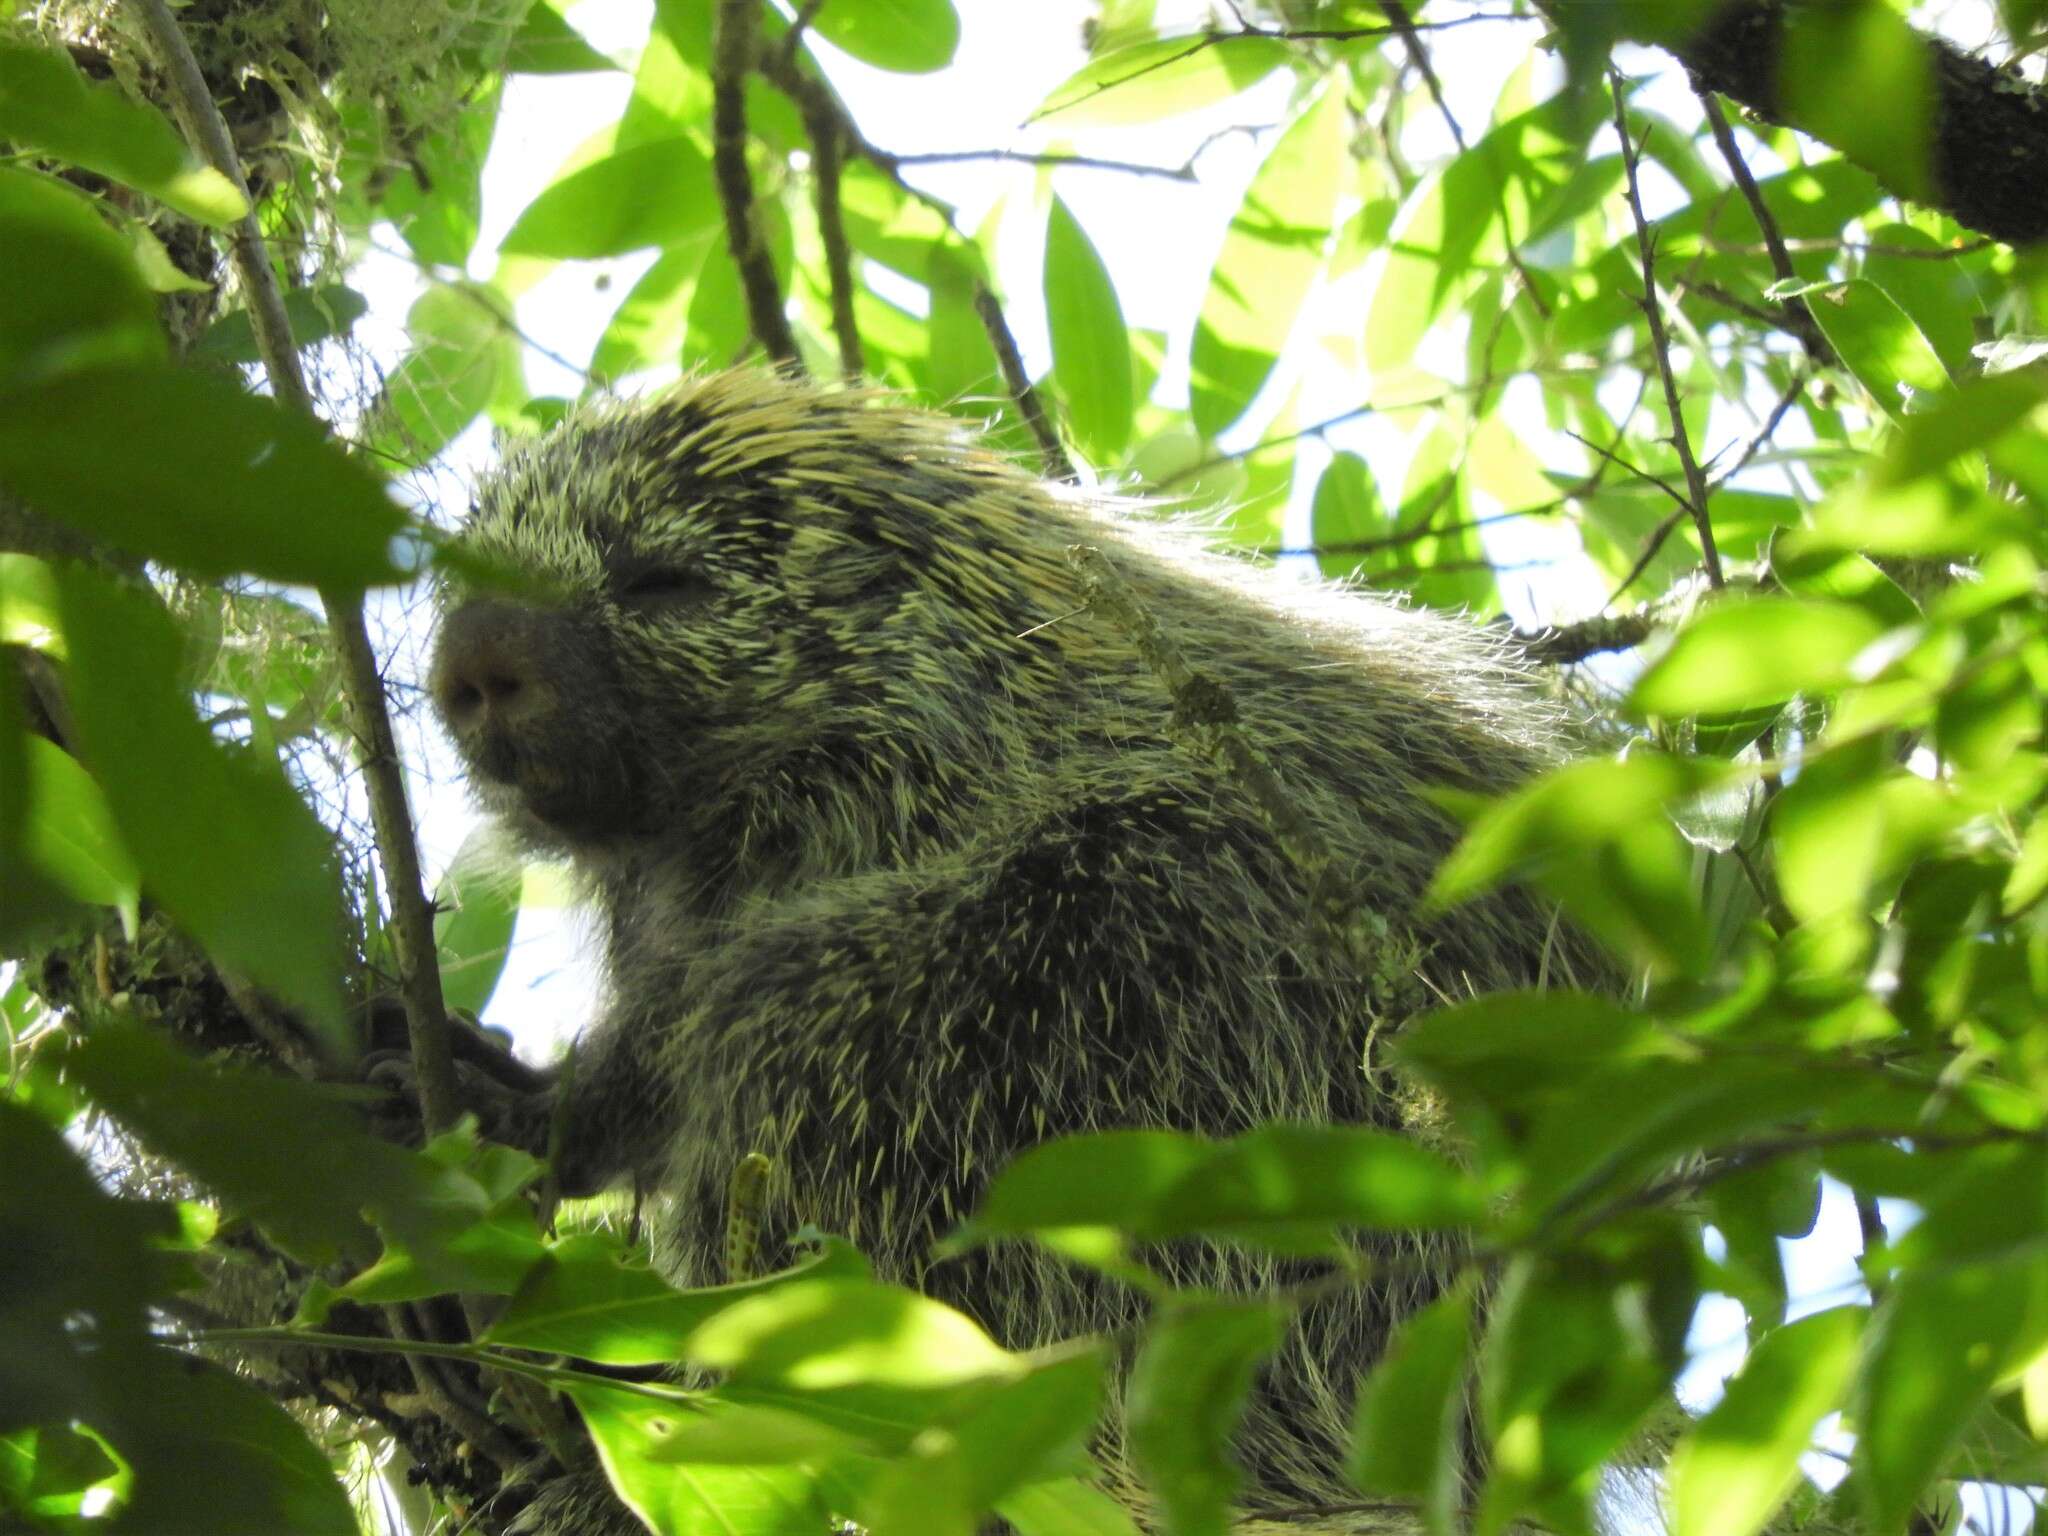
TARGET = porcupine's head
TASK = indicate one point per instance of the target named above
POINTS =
(761, 594)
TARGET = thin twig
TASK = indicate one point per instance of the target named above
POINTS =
(1803, 325)
(794, 37)
(825, 165)
(1660, 343)
(1050, 449)
(732, 59)
(1655, 542)
(1052, 158)
(412, 918)
(1632, 468)
(1764, 433)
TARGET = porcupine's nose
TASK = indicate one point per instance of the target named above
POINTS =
(487, 671)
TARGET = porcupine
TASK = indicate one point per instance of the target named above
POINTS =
(898, 869)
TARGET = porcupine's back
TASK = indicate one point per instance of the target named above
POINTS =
(900, 873)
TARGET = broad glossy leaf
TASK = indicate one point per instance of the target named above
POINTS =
(1099, 1179)
(1939, 1340)
(1407, 1437)
(476, 907)
(1068, 1508)
(191, 470)
(46, 104)
(651, 194)
(1186, 1393)
(647, 329)
(1838, 64)
(1271, 254)
(1091, 351)
(1162, 77)
(631, 1429)
(1737, 1465)
(463, 351)
(912, 37)
(1022, 1430)
(822, 1333)
(1962, 421)
(68, 832)
(75, 298)
(1285, 1176)
(223, 841)
(1880, 344)
(591, 1299)
(316, 314)
(1587, 802)
(1757, 651)
(545, 44)
(1578, 1349)
(1347, 517)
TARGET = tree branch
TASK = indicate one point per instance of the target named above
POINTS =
(1018, 381)
(1987, 165)
(1660, 343)
(732, 60)
(412, 916)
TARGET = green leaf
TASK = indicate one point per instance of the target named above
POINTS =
(1594, 836)
(1269, 261)
(1093, 1180)
(1186, 1394)
(545, 44)
(1162, 77)
(1091, 350)
(1755, 651)
(647, 329)
(1740, 1462)
(1569, 808)
(1938, 1342)
(1510, 1045)
(1022, 1430)
(1069, 1508)
(476, 907)
(46, 104)
(631, 1428)
(224, 842)
(1408, 1433)
(69, 835)
(436, 202)
(75, 298)
(174, 1413)
(294, 1159)
(1281, 1177)
(590, 1299)
(652, 194)
(1880, 344)
(463, 349)
(816, 1333)
(1961, 422)
(190, 470)
(1347, 512)
(1836, 62)
(911, 37)
(45, 1473)
(1578, 1349)
(316, 315)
